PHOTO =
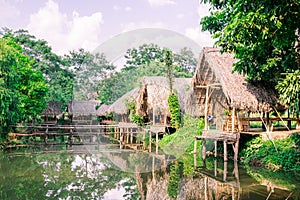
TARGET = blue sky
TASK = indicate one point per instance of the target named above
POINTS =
(73, 24)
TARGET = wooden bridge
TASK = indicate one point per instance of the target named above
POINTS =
(128, 135)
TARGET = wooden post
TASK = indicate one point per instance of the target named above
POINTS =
(225, 171)
(46, 135)
(71, 136)
(156, 142)
(215, 167)
(206, 109)
(236, 147)
(150, 141)
(204, 149)
(205, 188)
(225, 150)
(195, 146)
(233, 120)
(216, 148)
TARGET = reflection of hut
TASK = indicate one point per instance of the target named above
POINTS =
(119, 108)
(215, 89)
(83, 110)
(153, 98)
(52, 111)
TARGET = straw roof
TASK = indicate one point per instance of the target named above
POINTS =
(53, 108)
(83, 107)
(103, 109)
(119, 106)
(155, 92)
(216, 68)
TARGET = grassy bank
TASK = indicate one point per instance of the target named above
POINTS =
(182, 140)
(281, 154)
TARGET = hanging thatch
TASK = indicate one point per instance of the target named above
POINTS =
(53, 108)
(155, 92)
(119, 106)
(83, 107)
(232, 89)
(103, 109)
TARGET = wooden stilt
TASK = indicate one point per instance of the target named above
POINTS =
(204, 149)
(195, 146)
(236, 147)
(225, 150)
(225, 171)
(216, 148)
(150, 141)
(156, 142)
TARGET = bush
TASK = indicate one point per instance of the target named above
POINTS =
(284, 155)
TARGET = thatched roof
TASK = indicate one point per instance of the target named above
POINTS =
(214, 67)
(83, 107)
(155, 92)
(53, 108)
(103, 109)
(119, 106)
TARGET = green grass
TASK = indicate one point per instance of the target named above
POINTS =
(182, 140)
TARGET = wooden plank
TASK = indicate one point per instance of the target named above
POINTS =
(157, 129)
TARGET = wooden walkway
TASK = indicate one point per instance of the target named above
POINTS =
(128, 135)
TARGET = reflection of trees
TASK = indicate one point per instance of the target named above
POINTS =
(54, 176)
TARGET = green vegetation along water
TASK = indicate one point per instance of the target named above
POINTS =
(113, 173)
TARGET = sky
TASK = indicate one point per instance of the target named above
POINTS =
(72, 24)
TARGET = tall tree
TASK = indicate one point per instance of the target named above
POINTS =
(89, 69)
(53, 67)
(147, 60)
(22, 89)
(263, 35)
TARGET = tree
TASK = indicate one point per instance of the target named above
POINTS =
(263, 35)
(89, 69)
(53, 67)
(22, 89)
(147, 60)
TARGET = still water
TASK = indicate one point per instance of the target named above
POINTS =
(108, 172)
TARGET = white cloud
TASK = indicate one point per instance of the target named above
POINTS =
(128, 8)
(116, 7)
(8, 12)
(133, 26)
(161, 2)
(202, 38)
(65, 34)
(180, 16)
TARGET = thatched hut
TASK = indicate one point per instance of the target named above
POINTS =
(216, 90)
(119, 108)
(52, 111)
(83, 110)
(152, 101)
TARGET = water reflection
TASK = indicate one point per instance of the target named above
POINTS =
(111, 172)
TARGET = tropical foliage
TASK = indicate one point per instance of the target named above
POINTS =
(147, 60)
(53, 67)
(22, 89)
(89, 69)
(264, 37)
(283, 154)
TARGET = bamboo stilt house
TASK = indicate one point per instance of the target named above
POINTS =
(83, 110)
(152, 101)
(119, 108)
(216, 90)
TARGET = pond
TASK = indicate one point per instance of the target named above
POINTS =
(107, 171)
